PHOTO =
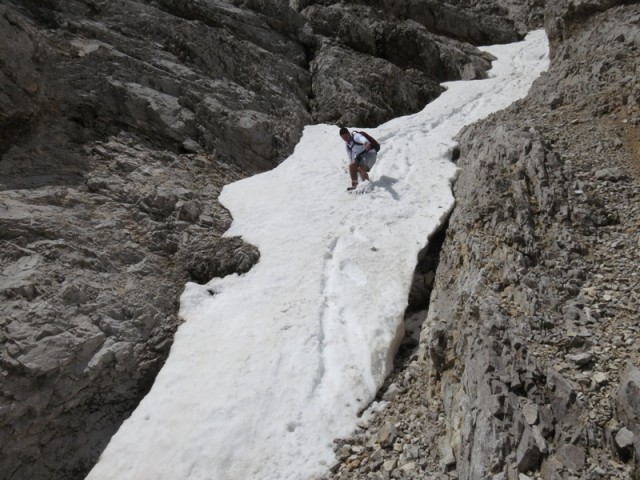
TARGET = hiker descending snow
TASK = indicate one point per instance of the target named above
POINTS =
(362, 152)
(329, 295)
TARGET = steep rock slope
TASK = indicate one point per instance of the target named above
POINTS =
(529, 360)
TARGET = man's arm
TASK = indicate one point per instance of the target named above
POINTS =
(362, 140)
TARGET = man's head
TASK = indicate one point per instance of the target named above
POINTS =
(344, 133)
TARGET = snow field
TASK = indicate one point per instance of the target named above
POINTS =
(272, 365)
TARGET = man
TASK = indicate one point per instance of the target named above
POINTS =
(361, 155)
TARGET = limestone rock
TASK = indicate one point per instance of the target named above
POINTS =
(624, 440)
(571, 457)
(611, 174)
(628, 408)
(530, 412)
(529, 454)
(580, 358)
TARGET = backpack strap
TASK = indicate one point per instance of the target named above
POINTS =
(354, 141)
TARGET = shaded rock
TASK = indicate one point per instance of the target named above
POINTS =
(478, 23)
(550, 469)
(189, 210)
(530, 450)
(348, 97)
(624, 441)
(564, 403)
(628, 404)
(21, 76)
(218, 258)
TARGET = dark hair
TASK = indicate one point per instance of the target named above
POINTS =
(343, 130)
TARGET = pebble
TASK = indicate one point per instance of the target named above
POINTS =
(600, 378)
(390, 465)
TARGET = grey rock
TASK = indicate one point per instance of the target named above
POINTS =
(530, 413)
(627, 402)
(189, 210)
(546, 422)
(478, 23)
(564, 402)
(580, 358)
(529, 453)
(550, 469)
(217, 258)
(387, 435)
(448, 460)
(18, 278)
(24, 86)
(390, 465)
(600, 378)
(408, 468)
(624, 439)
(610, 174)
(571, 457)
(351, 99)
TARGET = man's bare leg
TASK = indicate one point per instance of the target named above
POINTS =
(363, 170)
(353, 172)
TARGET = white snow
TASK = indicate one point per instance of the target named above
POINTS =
(272, 365)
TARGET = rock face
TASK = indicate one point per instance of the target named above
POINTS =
(528, 361)
(119, 124)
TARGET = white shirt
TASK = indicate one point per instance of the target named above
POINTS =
(355, 146)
